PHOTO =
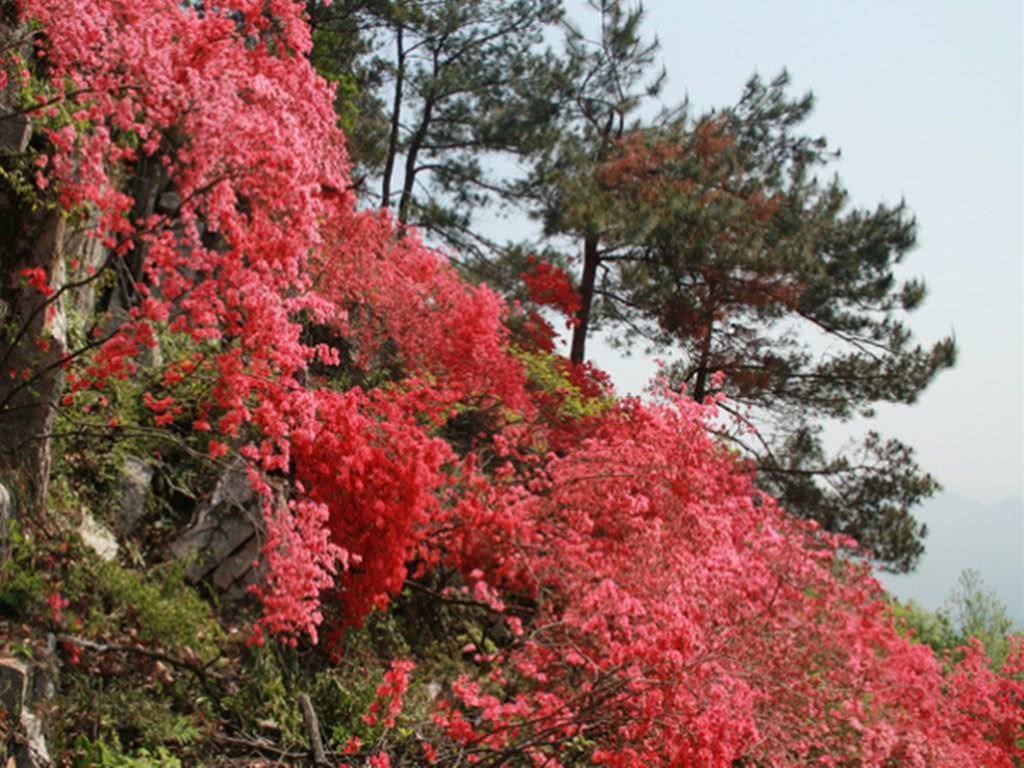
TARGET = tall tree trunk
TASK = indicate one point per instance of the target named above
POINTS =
(701, 386)
(411, 157)
(591, 261)
(396, 115)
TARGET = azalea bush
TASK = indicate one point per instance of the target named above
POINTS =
(649, 605)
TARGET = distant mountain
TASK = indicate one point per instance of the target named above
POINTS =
(963, 533)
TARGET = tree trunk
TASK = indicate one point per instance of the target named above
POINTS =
(700, 388)
(411, 157)
(396, 115)
(591, 260)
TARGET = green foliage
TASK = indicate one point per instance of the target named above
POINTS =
(866, 491)
(336, 43)
(273, 676)
(128, 715)
(545, 373)
(721, 239)
(159, 607)
(342, 54)
(131, 703)
(23, 583)
(972, 610)
(265, 695)
(932, 629)
(124, 688)
(103, 755)
(15, 175)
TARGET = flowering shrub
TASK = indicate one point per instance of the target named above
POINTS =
(682, 619)
(666, 613)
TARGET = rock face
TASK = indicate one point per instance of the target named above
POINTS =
(15, 132)
(32, 240)
(6, 512)
(32, 379)
(15, 129)
(22, 684)
(224, 539)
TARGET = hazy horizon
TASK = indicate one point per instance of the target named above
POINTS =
(965, 533)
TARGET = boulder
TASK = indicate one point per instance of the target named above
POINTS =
(136, 477)
(223, 541)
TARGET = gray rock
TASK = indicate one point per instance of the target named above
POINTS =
(33, 753)
(15, 133)
(136, 476)
(234, 489)
(15, 684)
(29, 748)
(46, 675)
(90, 254)
(224, 539)
(234, 574)
(97, 537)
(168, 202)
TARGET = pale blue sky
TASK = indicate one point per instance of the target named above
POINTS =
(924, 100)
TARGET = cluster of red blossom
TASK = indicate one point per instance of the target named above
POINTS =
(548, 285)
(667, 613)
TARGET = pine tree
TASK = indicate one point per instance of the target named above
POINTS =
(714, 238)
(442, 87)
(610, 82)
